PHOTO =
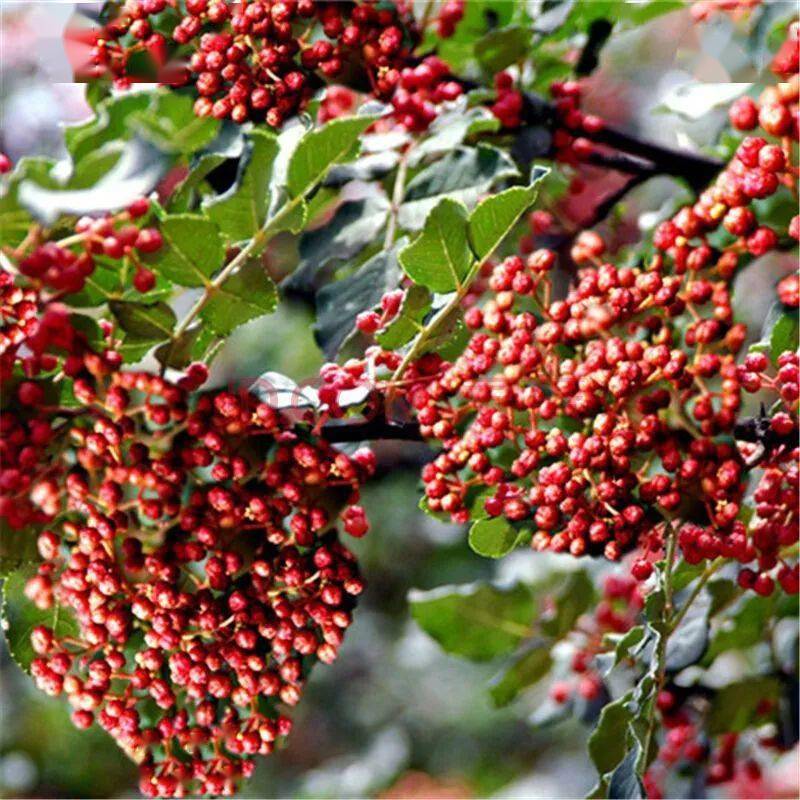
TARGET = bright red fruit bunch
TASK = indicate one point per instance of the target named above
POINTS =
(193, 541)
(260, 59)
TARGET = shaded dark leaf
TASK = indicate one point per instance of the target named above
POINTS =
(524, 670)
(339, 303)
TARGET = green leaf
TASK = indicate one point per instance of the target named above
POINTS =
(735, 706)
(21, 616)
(688, 641)
(607, 743)
(628, 645)
(478, 621)
(15, 220)
(572, 599)
(242, 210)
(492, 538)
(525, 670)
(440, 257)
(339, 303)
(17, 547)
(784, 335)
(248, 294)
(320, 149)
(94, 165)
(448, 336)
(464, 174)
(353, 227)
(110, 123)
(193, 251)
(502, 47)
(293, 218)
(745, 626)
(169, 122)
(408, 322)
(450, 129)
(494, 218)
(179, 352)
(625, 783)
(684, 573)
(144, 321)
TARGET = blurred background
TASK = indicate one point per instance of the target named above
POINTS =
(394, 716)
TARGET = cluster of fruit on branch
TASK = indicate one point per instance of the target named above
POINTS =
(189, 536)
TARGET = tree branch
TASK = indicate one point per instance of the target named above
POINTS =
(697, 170)
(372, 430)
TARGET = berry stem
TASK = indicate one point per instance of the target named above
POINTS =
(259, 240)
(397, 198)
(699, 586)
(439, 318)
(666, 629)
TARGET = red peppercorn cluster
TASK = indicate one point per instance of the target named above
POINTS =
(39, 339)
(262, 59)
(420, 91)
(193, 541)
(28, 426)
(57, 266)
(585, 420)
(616, 613)
(508, 105)
(757, 171)
(18, 313)
(682, 744)
(129, 35)
(356, 380)
(451, 12)
(723, 758)
(561, 415)
(570, 145)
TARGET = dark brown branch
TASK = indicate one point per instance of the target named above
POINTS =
(371, 430)
(604, 207)
(635, 155)
(623, 163)
(697, 170)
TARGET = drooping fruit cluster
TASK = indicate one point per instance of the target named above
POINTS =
(193, 541)
(263, 59)
(553, 420)
(40, 339)
(589, 421)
